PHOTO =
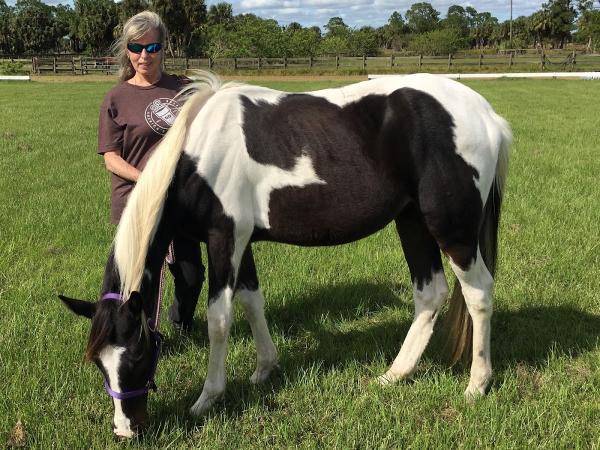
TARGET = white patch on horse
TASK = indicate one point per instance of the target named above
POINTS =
(268, 178)
(427, 300)
(477, 285)
(110, 358)
(253, 303)
(242, 185)
(219, 323)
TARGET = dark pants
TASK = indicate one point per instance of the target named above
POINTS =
(188, 275)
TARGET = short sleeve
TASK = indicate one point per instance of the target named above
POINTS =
(110, 133)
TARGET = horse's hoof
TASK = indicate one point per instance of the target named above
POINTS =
(261, 374)
(203, 405)
(473, 393)
(387, 379)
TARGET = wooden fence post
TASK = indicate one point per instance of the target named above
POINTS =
(543, 60)
(310, 62)
(73, 64)
(54, 64)
(510, 59)
(392, 61)
(449, 60)
(187, 63)
(364, 62)
(285, 63)
(420, 61)
(33, 64)
(210, 63)
(337, 62)
(573, 60)
(480, 60)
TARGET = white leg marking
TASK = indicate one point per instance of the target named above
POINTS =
(427, 303)
(110, 358)
(477, 286)
(219, 324)
(253, 303)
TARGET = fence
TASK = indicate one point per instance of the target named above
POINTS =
(525, 60)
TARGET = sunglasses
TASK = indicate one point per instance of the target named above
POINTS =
(150, 48)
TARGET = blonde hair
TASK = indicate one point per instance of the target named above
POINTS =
(141, 215)
(136, 27)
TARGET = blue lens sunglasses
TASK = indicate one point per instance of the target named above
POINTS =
(150, 48)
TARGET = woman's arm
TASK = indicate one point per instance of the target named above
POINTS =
(117, 165)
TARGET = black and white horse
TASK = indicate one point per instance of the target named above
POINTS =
(245, 163)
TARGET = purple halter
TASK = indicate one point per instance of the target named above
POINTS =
(157, 337)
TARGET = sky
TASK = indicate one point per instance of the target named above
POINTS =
(356, 13)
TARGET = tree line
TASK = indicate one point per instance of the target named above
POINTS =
(90, 27)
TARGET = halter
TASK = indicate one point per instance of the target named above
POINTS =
(153, 323)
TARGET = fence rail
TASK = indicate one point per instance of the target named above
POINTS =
(525, 60)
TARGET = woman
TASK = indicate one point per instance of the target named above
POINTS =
(134, 116)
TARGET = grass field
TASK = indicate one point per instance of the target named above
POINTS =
(338, 315)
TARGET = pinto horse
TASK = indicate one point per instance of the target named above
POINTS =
(245, 163)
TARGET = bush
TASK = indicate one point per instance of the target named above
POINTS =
(11, 68)
(437, 42)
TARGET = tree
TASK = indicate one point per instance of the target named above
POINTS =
(185, 20)
(457, 19)
(301, 41)
(337, 28)
(33, 27)
(392, 33)
(588, 24)
(483, 26)
(562, 18)
(422, 17)
(220, 14)
(363, 42)
(129, 8)
(97, 20)
(6, 18)
(438, 42)
(64, 27)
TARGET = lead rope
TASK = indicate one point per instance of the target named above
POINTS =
(170, 259)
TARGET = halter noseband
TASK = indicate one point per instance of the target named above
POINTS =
(156, 336)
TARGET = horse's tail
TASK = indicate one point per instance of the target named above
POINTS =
(458, 320)
(141, 215)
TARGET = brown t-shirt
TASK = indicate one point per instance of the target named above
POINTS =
(132, 121)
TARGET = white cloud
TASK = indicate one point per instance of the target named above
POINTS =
(355, 12)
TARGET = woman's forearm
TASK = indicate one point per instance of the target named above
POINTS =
(117, 165)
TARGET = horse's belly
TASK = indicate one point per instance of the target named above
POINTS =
(331, 213)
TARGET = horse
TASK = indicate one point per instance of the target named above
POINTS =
(244, 163)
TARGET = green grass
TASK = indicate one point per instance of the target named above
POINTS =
(338, 315)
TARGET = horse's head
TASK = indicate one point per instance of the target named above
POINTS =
(125, 349)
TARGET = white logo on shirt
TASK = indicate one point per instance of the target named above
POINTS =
(161, 114)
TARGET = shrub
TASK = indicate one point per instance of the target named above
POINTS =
(11, 68)
(437, 42)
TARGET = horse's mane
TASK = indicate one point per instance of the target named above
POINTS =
(140, 217)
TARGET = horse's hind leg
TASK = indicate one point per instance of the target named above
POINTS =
(429, 292)
(476, 284)
(253, 302)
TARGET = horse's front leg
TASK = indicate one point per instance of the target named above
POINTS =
(253, 302)
(224, 258)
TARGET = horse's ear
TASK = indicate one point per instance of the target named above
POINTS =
(79, 307)
(135, 303)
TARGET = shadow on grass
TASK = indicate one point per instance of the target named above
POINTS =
(341, 325)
